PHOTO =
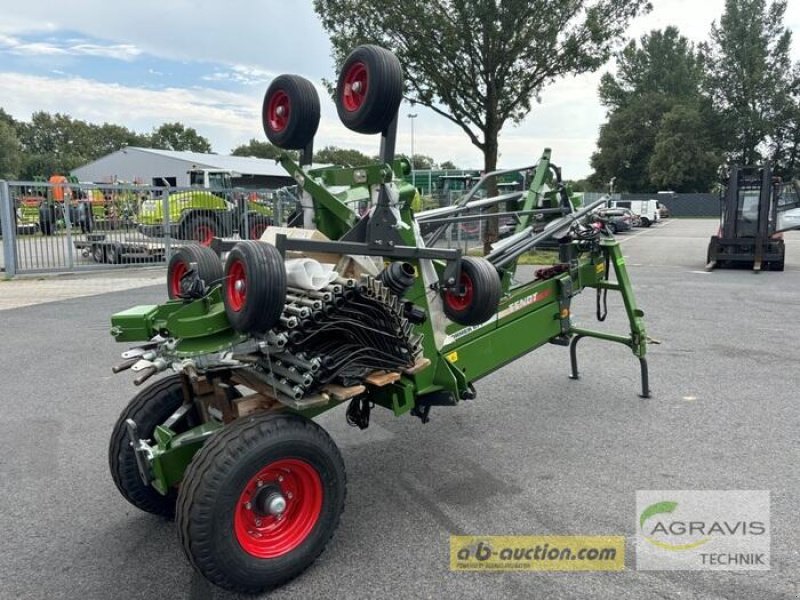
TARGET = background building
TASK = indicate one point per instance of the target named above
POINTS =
(148, 166)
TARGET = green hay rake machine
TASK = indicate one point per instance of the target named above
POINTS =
(226, 441)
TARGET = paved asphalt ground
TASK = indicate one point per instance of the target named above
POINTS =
(535, 453)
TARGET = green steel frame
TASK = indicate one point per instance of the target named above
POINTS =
(528, 315)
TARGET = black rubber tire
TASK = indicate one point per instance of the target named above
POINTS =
(260, 306)
(150, 407)
(254, 226)
(215, 480)
(198, 227)
(299, 97)
(611, 227)
(646, 222)
(114, 254)
(209, 267)
(373, 112)
(47, 219)
(482, 279)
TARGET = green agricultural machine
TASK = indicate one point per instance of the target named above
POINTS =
(212, 208)
(225, 441)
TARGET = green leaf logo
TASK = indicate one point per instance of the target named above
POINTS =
(656, 509)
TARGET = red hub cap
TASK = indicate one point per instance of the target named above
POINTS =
(461, 302)
(178, 271)
(278, 109)
(278, 508)
(237, 286)
(355, 87)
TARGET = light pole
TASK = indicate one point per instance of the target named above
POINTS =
(412, 116)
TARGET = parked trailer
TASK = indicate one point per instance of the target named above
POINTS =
(106, 249)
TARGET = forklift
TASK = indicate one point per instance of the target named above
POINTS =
(755, 209)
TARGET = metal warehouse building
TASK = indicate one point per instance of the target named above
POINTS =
(147, 166)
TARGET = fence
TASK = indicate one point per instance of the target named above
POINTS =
(75, 227)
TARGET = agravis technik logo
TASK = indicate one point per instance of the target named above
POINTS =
(702, 530)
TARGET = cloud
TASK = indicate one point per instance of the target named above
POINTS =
(242, 74)
(126, 52)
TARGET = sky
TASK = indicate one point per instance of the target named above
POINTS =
(207, 64)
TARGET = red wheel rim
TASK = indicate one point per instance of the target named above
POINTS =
(459, 303)
(278, 110)
(178, 271)
(265, 535)
(204, 234)
(356, 83)
(237, 286)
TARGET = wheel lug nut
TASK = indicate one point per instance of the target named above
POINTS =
(260, 483)
(258, 522)
(289, 495)
(248, 505)
(280, 477)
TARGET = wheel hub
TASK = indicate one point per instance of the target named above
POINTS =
(269, 501)
(240, 286)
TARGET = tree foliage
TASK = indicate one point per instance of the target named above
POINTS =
(749, 74)
(684, 156)
(481, 63)
(342, 157)
(176, 136)
(654, 100)
(261, 149)
(10, 151)
(57, 143)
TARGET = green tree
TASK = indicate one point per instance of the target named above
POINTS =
(342, 157)
(684, 158)
(10, 151)
(261, 149)
(785, 148)
(654, 75)
(749, 74)
(448, 165)
(480, 63)
(626, 143)
(176, 136)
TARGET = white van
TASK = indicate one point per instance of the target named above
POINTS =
(646, 210)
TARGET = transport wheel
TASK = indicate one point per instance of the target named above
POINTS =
(201, 229)
(646, 222)
(260, 501)
(209, 267)
(255, 286)
(482, 290)
(369, 89)
(290, 112)
(149, 408)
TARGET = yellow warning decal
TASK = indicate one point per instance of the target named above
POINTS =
(452, 357)
(599, 267)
